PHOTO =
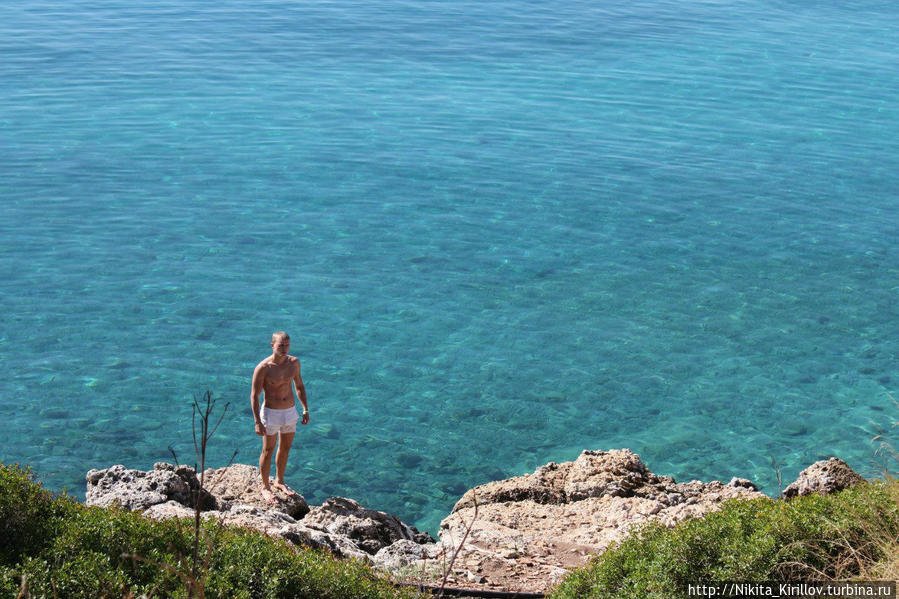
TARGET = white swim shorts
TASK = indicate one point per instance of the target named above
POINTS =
(279, 421)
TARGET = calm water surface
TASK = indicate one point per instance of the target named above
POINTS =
(499, 233)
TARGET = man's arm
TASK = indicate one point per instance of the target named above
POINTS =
(301, 394)
(258, 381)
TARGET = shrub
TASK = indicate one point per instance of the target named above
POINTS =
(259, 567)
(82, 575)
(63, 549)
(808, 538)
(115, 534)
(28, 515)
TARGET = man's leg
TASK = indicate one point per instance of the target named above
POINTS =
(265, 464)
(281, 460)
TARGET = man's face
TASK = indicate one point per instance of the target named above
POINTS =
(281, 346)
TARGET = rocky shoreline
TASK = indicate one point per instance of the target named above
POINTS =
(521, 534)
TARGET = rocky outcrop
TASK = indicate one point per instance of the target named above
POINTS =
(279, 524)
(525, 532)
(341, 525)
(138, 490)
(823, 477)
(238, 484)
(370, 529)
(521, 534)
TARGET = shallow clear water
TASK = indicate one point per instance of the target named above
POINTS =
(499, 233)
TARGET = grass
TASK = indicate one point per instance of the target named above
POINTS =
(56, 547)
(851, 535)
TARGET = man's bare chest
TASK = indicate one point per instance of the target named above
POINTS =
(279, 374)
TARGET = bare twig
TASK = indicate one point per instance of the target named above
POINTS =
(194, 572)
(204, 412)
(456, 550)
(777, 472)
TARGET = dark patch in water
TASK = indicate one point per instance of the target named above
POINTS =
(455, 489)
(114, 436)
(496, 474)
(54, 413)
(408, 460)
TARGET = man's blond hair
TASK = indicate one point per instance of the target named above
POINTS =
(282, 334)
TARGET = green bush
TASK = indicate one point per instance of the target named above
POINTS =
(83, 575)
(28, 515)
(63, 549)
(808, 538)
(255, 566)
(117, 534)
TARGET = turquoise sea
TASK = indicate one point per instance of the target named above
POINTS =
(498, 232)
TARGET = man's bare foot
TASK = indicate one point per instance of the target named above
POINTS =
(281, 486)
(268, 497)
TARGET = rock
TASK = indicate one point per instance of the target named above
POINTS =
(339, 545)
(189, 475)
(240, 484)
(543, 523)
(612, 474)
(742, 482)
(370, 530)
(138, 490)
(404, 553)
(525, 532)
(341, 526)
(823, 477)
(269, 521)
(264, 520)
(169, 509)
(279, 524)
(545, 485)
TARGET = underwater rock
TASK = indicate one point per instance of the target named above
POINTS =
(326, 430)
(823, 477)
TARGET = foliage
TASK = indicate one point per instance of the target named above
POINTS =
(67, 550)
(28, 514)
(259, 567)
(833, 537)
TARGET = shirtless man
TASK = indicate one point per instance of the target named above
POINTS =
(278, 417)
